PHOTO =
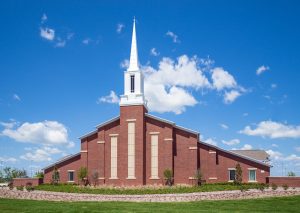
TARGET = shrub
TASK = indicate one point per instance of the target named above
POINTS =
(20, 188)
(238, 174)
(274, 186)
(243, 188)
(29, 187)
(95, 177)
(198, 177)
(285, 186)
(168, 175)
(291, 174)
(261, 187)
(55, 176)
(39, 175)
(82, 175)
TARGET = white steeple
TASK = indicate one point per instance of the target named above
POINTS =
(133, 78)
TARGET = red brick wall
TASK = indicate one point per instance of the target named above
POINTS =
(25, 181)
(71, 164)
(290, 181)
(215, 165)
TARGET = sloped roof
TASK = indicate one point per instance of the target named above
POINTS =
(260, 155)
(63, 159)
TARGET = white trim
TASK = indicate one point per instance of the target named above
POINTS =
(212, 178)
(83, 151)
(131, 120)
(131, 178)
(153, 133)
(114, 135)
(252, 181)
(88, 134)
(100, 142)
(252, 168)
(192, 178)
(154, 178)
(168, 139)
(255, 180)
(107, 122)
(71, 170)
(212, 152)
(61, 160)
(262, 171)
(193, 147)
(101, 178)
(231, 168)
(70, 181)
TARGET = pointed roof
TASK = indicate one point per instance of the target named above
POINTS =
(133, 63)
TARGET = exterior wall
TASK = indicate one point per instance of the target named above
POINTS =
(71, 164)
(280, 181)
(25, 181)
(214, 166)
(165, 149)
(186, 156)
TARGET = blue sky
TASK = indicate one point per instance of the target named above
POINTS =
(229, 70)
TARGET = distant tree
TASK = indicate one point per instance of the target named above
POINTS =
(238, 174)
(55, 175)
(82, 175)
(291, 174)
(39, 174)
(8, 174)
(1, 177)
(95, 176)
(168, 175)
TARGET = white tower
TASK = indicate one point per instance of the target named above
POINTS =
(133, 78)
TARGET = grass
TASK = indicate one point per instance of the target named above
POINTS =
(144, 190)
(276, 204)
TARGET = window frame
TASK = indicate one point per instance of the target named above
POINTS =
(132, 83)
(255, 175)
(229, 176)
(73, 177)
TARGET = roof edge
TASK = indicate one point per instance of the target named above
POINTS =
(62, 160)
(238, 155)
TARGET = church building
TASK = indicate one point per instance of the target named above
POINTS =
(136, 147)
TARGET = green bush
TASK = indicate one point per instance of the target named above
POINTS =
(29, 187)
(20, 188)
(82, 175)
(285, 186)
(238, 174)
(261, 187)
(168, 175)
(274, 186)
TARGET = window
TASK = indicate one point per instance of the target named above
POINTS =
(132, 83)
(113, 157)
(154, 156)
(231, 174)
(252, 175)
(70, 176)
(131, 150)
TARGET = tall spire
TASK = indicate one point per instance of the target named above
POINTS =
(133, 64)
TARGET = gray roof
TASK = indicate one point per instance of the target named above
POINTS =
(260, 155)
(63, 159)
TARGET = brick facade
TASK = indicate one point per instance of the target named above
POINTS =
(179, 149)
(280, 181)
(24, 181)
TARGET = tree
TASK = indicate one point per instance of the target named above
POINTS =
(238, 174)
(291, 174)
(168, 174)
(95, 177)
(9, 174)
(39, 174)
(55, 175)
(198, 177)
(82, 175)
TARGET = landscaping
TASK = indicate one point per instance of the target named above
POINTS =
(71, 188)
(275, 204)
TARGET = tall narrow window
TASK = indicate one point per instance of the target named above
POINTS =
(154, 156)
(132, 83)
(252, 175)
(113, 157)
(70, 176)
(231, 174)
(131, 150)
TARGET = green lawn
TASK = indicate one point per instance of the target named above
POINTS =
(164, 190)
(283, 204)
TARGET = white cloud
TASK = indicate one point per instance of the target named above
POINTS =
(224, 126)
(44, 18)
(222, 79)
(124, 64)
(40, 154)
(9, 125)
(273, 130)
(262, 69)
(154, 52)
(16, 97)
(247, 147)
(60, 43)
(210, 141)
(8, 159)
(112, 98)
(231, 142)
(274, 154)
(245, 114)
(231, 96)
(86, 41)
(273, 86)
(274, 145)
(47, 33)
(46, 132)
(173, 36)
(120, 27)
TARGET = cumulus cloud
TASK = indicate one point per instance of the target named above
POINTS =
(124, 64)
(112, 98)
(222, 79)
(8, 159)
(224, 126)
(40, 154)
(247, 147)
(173, 36)
(16, 97)
(154, 52)
(8, 125)
(120, 27)
(210, 141)
(47, 33)
(273, 130)
(86, 41)
(231, 96)
(274, 154)
(46, 132)
(262, 69)
(231, 142)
